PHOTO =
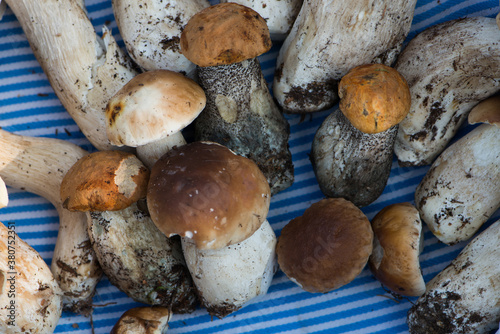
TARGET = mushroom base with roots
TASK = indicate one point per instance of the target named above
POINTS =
(240, 114)
(349, 163)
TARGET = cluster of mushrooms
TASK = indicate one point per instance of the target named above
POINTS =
(176, 224)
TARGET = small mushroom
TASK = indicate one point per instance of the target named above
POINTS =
(4, 196)
(224, 41)
(461, 189)
(217, 202)
(326, 247)
(150, 111)
(397, 244)
(352, 150)
(143, 320)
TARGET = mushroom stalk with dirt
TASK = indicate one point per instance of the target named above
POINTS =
(38, 165)
(84, 70)
(449, 67)
(328, 39)
(224, 41)
(151, 31)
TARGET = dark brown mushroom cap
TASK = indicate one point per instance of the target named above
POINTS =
(326, 247)
(104, 181)
(223, 34)
(143, 320)
(395, 258)
(374, 97)
(206, 192)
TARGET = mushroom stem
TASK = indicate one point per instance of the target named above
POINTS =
(241, 115)
(29, 295)
(83, 69)
(349, 163)
(150, 153)
(38, 165)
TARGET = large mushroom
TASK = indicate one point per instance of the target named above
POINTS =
(217, 202)
(353, 149)
(224, 41)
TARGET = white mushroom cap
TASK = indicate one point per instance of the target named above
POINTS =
(4, 196)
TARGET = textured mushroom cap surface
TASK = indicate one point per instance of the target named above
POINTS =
(143, 320)
(395, 258)
(223, 34)
(104, 181)
(374, 97)
(151, 106)
(205, 192)
(326, 247)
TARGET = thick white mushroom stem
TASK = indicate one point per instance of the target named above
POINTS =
(228, 278)
(150, 153)
(38, 165)
(328, 38)
(83, 69)
(445, 82)
(463, 298)
(30, 298)
(151, 31)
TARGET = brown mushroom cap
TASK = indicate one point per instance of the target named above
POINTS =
(151, 106)
(326, 247)
(205, 192)
(374, 97)
(104, 181)
(486, 111)
(223, 34)
(143, 320)
(397, 245)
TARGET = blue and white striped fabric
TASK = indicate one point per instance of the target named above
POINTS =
(28, 106)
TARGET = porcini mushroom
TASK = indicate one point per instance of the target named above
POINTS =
(397, 243)
(326, 247)
(217, 202)
(461, 189)
(38, 165)
(150, 111)
(4, 196)
(136, 258)
(330, 37)
(445, 83)
(143, 320)
(224, 41)
(352, 150)
(151, 31)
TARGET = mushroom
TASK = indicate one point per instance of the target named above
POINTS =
(224, 41)
(30, 296)
(151, 31)
(279, 14)
(330, 37)
(4, 196)
(38, 165)
(150, 111)
(463, 297)
(445, 82)
(326, 247)
(461, 189)
(397, 243)
(217, 202)
(143, 320)
(84, 70)
(352, 150)
(136, 258)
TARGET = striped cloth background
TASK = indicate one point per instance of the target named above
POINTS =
(28, 106)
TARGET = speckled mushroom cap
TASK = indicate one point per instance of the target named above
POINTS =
(374, 97)
(104, 181)
(397, 245)
(207, 193)
(151, 106)
(326, 247)
(223, 34)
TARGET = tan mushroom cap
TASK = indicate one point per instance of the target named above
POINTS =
(397, 246)
(374, 97)
(151, 106)
(205, 192)
(326, 247)
(486, 111)
(143, 320)
(224, 34)
(104, 181)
